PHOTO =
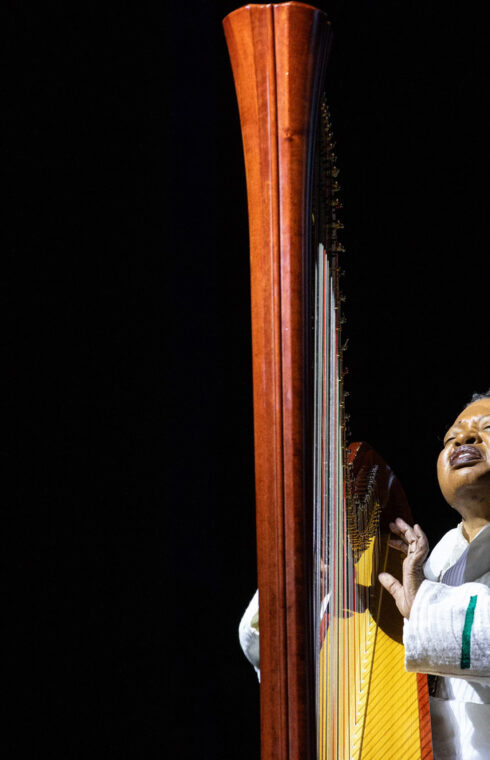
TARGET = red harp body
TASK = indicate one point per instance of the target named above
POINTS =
(333, 683)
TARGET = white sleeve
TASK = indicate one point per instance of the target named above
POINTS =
(248, 633)
(448, 633)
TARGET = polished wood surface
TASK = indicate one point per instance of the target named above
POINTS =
(277, 77)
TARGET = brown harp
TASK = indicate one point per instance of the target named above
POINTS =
(333, 684)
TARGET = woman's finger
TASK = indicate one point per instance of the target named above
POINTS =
(420, 534)
(397, 543)
(422, 540)
(396, 590)
(398, 535)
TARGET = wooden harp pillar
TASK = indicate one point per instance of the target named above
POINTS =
(278, 55)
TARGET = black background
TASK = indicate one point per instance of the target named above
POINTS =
(127, 523)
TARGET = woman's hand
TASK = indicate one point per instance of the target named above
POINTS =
(412, 542)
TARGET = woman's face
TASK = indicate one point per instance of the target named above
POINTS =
(463, 466)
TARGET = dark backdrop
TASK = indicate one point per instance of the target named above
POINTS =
(127, 524)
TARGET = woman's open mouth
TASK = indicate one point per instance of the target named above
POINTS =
(465, 456)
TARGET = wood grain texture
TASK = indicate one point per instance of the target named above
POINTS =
(424, 718)
(277, 54)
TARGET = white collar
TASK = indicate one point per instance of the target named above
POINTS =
(447, 552)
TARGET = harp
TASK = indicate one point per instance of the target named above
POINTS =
(333, 684)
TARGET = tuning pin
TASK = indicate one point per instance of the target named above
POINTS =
(336, 203)
(344, 345)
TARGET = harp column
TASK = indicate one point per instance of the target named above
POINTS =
(278, 55)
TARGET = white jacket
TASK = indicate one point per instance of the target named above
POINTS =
(448, 635)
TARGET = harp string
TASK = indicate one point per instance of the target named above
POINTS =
(341, 630)
(347, 548)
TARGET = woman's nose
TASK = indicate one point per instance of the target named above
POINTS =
(467, 437)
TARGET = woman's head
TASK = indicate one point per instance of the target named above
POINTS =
(463, 466)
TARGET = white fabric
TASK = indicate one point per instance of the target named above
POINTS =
(460, 711)
(445, 554)
(248, 633)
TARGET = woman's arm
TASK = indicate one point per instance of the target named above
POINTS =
(448, 632)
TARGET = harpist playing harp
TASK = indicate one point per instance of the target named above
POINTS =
(333, 679)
